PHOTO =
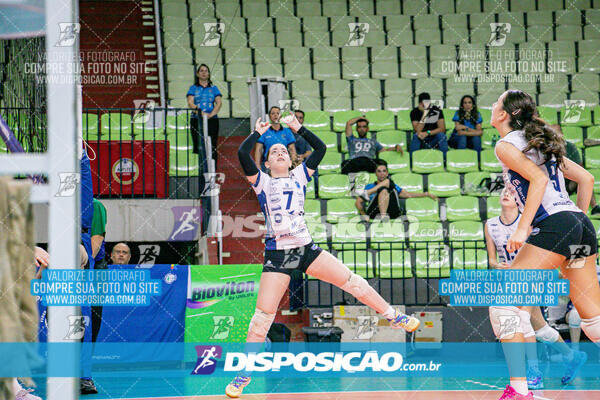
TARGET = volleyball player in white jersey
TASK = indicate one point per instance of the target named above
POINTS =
(288, 244)
(497, 232)
(534, 167)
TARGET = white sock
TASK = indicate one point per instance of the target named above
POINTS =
(390, 313)
(520, 386)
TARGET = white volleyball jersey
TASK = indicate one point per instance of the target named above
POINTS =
(282, 202)
(500, 233)
(556, 198)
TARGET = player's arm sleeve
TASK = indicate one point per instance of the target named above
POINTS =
(455, 117)
(190, 91)
(248, 165)
(318, 146)
(218, 92)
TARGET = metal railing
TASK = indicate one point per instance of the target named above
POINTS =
(402, 272)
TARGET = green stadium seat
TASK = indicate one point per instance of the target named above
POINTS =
(590, 98)
(456, 36)
(180, 141)
(318, 232)
(335, 7)
(264, 55)
(388, 7)
(336, 87)
(361, 8)
(339, 103)
(433, 263)
(427, 161)
(489, 162)
(259, 24)
(309, 9)
(396, 103)
(331, 163)
(489, 138)
(443, 52)
(470, 259)
(413, 69)
(317, 120)
(385, 70)
(422, 233)
(394, 264)
(375, 37)
(452, 21)
(329, 138)
(234, 38)
(550, 5)
(367, 103)
(575, 116)
(464, 160)
(444, 184)
(423, 208)
(387, 235)
(593, 132)
(269, 69)
(392, 138)
(341, 117)
(287, 24)
(174, 10)
(409, 181)
(589, 64)
(568, 17)
(399, 36)
(300, 70)
(228, 9)
(282, 9)
(592, 157)
(588, 47)
(254, 9)
(384, 53)
(293, 55)
(305, 87)
(552, 99)
(574, 134)
(312, 210)
(238, 54)
(341, 210)
(433, 86)
(115, 123)
(590, 32)
(441, 7)
(396, 162)
(309, 103)
(89, 124)
(183, 163)
(310, 189)
(583, 82)
(429, 36)
(333, 186)
(472, 183)
(327, 70)
(326, 54)
(239, 71)
(466, 234)
(398, 86)
(568, 32)
(493, 206)
(349, 235)
(354, 53)
(380, 120)
(548, 114)
(460, 208)
(468, 7)
(360, 262)
(404, 122)
(367, 87)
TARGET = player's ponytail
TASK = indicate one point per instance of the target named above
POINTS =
(538, 134)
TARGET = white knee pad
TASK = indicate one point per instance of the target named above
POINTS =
(506, 321)
(261, 323)
(357, 286)
(573, 318)
(591, 327)
(547, 334)
(526, 323)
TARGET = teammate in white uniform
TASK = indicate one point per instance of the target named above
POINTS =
(497, 232)
(533, 162)
(288, 244)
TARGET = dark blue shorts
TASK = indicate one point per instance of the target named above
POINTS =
(286, 261)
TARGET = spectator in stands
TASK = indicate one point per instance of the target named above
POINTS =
(383, 194)
(574, 155)
(121, 254)
(275, 134)
(428, 124)
(363, 151)
(303, 149)
(467, 126)
(205, 99)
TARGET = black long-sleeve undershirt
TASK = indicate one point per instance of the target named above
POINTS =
(318, 146)
(248, 164)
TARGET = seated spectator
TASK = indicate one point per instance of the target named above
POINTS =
(204, 98)
(574, 155)
(467, 126)
(362, 150)
(303, 149)
(428, 124)
(383, 196)
(275, 134)
(120, 254)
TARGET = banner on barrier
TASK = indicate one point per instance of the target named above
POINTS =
(221, 303)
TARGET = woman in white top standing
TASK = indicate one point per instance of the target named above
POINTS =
(534, 166)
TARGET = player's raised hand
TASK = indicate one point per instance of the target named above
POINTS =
(261, 127)
(291, 121)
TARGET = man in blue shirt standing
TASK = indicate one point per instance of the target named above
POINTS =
(275, 134)
(383, 196)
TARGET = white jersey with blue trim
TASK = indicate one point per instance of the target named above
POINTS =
(556, 198)
(282, 202)
(500, 233)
